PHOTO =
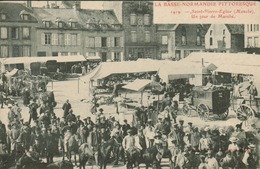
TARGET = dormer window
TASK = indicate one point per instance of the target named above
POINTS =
(90, 23)
(103, 26)
(47, 24)
(60, 24)
(73, 24)
(3, 16)
(116, 26)
(25, 17)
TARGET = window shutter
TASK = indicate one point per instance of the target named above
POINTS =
(108, 42)
(87, 41)
(121, 56)
(97, 54)
(86, 53)
(121, 41)
(43, 38)
(54, 39)
(112, 41)
(69, 39)
(66, 39)
(112, 56)
(78, 39)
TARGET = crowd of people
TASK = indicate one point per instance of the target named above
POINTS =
(186, 145)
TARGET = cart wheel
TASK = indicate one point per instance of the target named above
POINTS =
(244, 112)
(186, 110)
(203, 111)
(224, 115)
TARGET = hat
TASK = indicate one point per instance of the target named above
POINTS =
(181, 120)
(149, 120)
(190, 123)
(101, 109)
(206, 129)
(175, 124)
(14, 124)
(158, 135)
(157, 141)
(9, 105)
(233, 139)
(238, 125)
(251, 146)
(125, 120)
(89, 126)
(43, 129)
(209, 152)
(129, 131)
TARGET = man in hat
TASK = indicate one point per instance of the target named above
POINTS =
(66, 107)
(50, 146)
(233, 147)
(104, 134)
(125, 127)
(71, 117)
(140, 141)
(240, 134)
(88, 121)
(223, 139)
(3, 138)
(128, 141)
(14, 136)
(101, 112)
(17, 110)
(33, 106)
(26, 136)
(227, 161)
(118, 149)
(250, 157)
(78, 121)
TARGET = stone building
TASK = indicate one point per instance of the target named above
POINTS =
(252, 38)
(17, 30)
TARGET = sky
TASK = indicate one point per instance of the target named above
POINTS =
(84, 4)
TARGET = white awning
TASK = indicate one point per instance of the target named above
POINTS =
(137, 85)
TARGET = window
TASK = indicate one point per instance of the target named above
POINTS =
(103, 42)
(140, 22)
(183, 36)
(249, 42)
(117, 56)
(133, 19)
(224, 31)
(117, 41)
(25, 17)
(60, 24)
(256, 42)
(147, 37)
(26, 51)
(224, 42)
(74, 39)
(4, 51)
(73, 53)
(91, 53)
(198, 40)
(55, 53)
(147, 19)
(73, 25)
(15, 51)
(251, 27)
(165, 40)
(133, 36)
(47, 40)
(3, 32)
(3, 16)
(211, 32)
(14, 33)
(61, 39)
(92, 42)
(26, 33)
(210, 41)
(47, 24)
(248, 29)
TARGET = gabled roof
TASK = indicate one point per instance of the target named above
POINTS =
(14, 10)
(235, 28)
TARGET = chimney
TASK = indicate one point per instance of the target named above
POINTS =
(77, 5)
(29, 4)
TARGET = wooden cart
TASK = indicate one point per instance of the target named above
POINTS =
(208, 100)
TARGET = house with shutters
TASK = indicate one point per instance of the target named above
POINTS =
(252, 38)
(227, 38)
(17, 30)
(95, 34)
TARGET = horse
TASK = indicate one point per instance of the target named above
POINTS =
(133, 157)
(85, 152)
(104, 152)
(72, 146)
(18, 150)
(30, 160)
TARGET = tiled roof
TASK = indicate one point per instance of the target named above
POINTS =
(235, 28)
(14, 10)
(81, 16)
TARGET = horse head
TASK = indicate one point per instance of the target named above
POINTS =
(107, 147)
(86, 150)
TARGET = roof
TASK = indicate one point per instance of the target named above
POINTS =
(137, 85)
(14, 10)
(166, 27)
(238, 69)
(235, 28)
(81, 16)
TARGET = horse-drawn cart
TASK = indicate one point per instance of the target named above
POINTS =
(205, 100)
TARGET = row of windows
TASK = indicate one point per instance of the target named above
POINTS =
(220, 43)
(60, 39)
(93, 42)
(16, 33)
(115, 56)
(252, 27)
(252, 42)
(60, 24)
(25, 17)
(143, 20)
(17, 51)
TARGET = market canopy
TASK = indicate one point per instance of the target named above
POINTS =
(140, 66)
(138, 85)
(219, 59)
(237, 69)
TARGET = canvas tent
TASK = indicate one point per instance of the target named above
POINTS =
(223, 58)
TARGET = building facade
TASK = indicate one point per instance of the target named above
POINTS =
(17, 30)
(226, 38)
(252, 38)
(91, 33)
(177, 41)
